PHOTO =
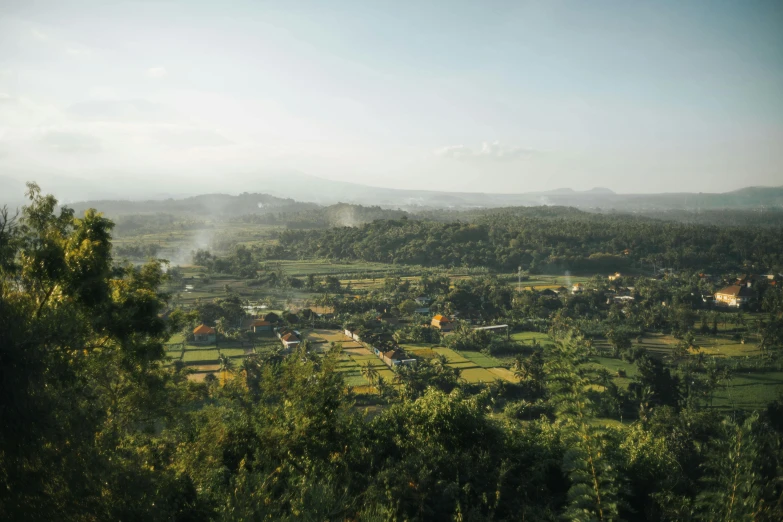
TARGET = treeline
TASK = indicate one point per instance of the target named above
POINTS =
(504, 241)
(341, 214)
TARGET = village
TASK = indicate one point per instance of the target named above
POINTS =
(377, 330)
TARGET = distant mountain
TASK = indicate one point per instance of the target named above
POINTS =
(299, 187)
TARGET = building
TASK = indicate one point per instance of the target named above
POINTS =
(734, 295)
(203, 334)
(578, 288)
(289, 338)
(443, 323)
(423, 300)
(272, 318)
(260, 325)
(615, 276)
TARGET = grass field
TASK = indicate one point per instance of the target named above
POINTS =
(529, 337)
(485, 361)
(478, 375)
(194, 356)
(233, 352)
(750, 390)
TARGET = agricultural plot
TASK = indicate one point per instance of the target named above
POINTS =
(325, 336)
(613, 366)
(504, 373)
(197, 356)
(326, 267)
(463, 365)
(233, 352)
(450, 355)
(480, 359)
(722, 346)
(478, 375)
(750, 390)
(529, 337)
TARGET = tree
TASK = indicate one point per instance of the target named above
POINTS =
(226, 367)
(733, 489)
(80, 345)
(370, 373)
(595, 484)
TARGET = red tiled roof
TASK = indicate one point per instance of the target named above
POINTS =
(289, 338)
(441, 318)
(203, 329)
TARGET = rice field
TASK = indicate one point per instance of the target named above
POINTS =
(478, 375)
(195, 356)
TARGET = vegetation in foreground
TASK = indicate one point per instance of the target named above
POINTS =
(96, 428)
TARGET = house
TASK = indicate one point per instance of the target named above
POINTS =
(615, 276)
(203, 334)
(272, 318)
(578, 288)
(443, 323)
(423, 311)
(423, 300)
(290, 340)
(260, 325)
(734, 295)
(395, 357)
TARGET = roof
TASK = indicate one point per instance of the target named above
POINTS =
(203, 329)
(259, 322)
(736, 291)
(441, 318)
(394, 355)
(290, 338)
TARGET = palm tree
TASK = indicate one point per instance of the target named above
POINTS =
(252, 368)
(370, 373)
(226, 367)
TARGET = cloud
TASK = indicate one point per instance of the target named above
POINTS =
(71, 142)
(122, 111)
(156, 72)
(39, 35)
(189, 137)
(490, 151)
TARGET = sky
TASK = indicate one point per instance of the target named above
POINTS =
(487, 96)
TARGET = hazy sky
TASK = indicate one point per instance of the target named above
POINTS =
(473, 96)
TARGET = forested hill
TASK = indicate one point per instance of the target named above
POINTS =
(217, 205)
(576, 242)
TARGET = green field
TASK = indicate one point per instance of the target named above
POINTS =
(194, 356)
(485, 361)
(529, 337)
(750, 390)
(233, 352)
(478, 375)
